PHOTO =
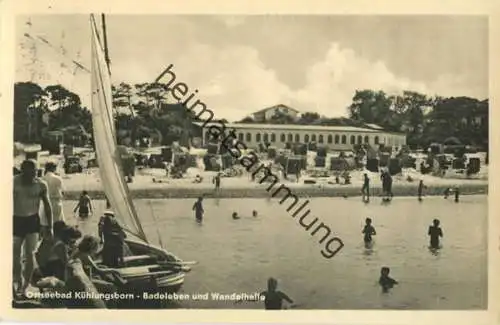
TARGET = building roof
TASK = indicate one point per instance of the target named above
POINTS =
(294, 127)
(275, 107)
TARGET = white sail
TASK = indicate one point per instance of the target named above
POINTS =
(108, 156)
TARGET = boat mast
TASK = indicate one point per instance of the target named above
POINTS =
(105, 43)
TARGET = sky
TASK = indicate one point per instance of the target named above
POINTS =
(241, 64)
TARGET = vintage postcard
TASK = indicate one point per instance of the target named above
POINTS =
(198, 162)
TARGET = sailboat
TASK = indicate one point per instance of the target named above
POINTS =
(145, 264)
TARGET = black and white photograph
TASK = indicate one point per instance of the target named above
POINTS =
(253, 162)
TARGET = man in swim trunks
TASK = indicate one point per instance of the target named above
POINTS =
(28, 190)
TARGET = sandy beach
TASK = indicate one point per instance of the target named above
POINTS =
(242, 187)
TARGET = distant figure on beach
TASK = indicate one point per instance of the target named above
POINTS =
(457, 194)
(113, 236)
(198, 209)
(365, 190)
(108, 204)
(273, 298)
(217, 181)
(368, 231)
(84, 206)
(385, 281)
(55, 186)
(435, 232)
(254, 213)
(235, 216)
(421, 188)
(28, 192)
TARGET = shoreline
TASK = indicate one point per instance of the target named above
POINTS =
(259, 191)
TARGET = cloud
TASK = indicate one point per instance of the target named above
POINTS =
(234, 81)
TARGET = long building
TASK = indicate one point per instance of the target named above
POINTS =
(334, 137)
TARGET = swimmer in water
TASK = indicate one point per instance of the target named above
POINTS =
(457, 194)
(368, 231)
(198, 209)
(435, 232)
(421, 188)
(273, 298)
(385, 281)
(235, 216)
(254, 213)
(84, 206)
(365, 190)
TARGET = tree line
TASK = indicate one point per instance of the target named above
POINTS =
(149, 111)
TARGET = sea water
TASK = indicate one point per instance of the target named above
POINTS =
(236, 257)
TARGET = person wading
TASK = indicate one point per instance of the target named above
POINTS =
(28, 190)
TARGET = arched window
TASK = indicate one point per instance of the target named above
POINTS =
(353, 139)
(344, 139)
(306, 138)
(337, 139)
(283, 137)
(273, 137)
(248, 137)
(320, 138)
(290, 137)
(329, 139)
(376, 139)
(366, 139)
(313, 138)
(360, 139)
(257, 137)
(266, 137)
(297, 137)
(240, 136)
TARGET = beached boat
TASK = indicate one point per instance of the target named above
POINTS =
(145, 263)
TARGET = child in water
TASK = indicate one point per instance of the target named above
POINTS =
(435, 232)
(84, 205)
(368, 231)
(273, 298)
(235, 216)
(385, 281)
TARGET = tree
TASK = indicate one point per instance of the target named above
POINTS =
(29, 106)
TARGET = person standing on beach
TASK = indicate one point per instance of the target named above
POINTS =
(435, 232)
(365, 190)
(55, 186)
(84, 206)
(198, 209)
(28, 190)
